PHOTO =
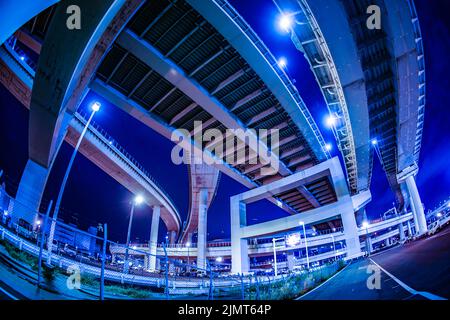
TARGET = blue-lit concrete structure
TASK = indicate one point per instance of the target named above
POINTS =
(169, 64)
(380, 96)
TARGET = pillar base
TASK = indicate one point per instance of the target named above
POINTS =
(29, 194)
(351, 234)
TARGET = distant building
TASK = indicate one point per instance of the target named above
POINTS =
(82, 240)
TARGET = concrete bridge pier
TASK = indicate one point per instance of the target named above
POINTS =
(172, 237)
(202, 226)
(351, 233)
(417, 207)
(416, 220)
(290, 260)
(410, 234)
(401, 230)
(154, 237)
(29, 194)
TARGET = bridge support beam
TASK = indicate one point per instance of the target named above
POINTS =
(29, 194)
(240, 261)
(351, 234)
(417, 206)
(202, 229)
(401, 230)
(172, 237)
(410, 234)
(290, 260)
(154, 237)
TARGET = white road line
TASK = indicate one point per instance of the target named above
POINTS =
(8, 294)
(321, 284)
(425, 294)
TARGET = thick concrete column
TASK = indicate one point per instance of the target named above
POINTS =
(401, 230)
(417, 204)
(172, 237)
(290, 260)
(388, 242)
(351, 234)
(29, 194)
(369, 248)
(202, 226)
(416, 220)
(410, 234)
(154, 237)
(240, 262)
(146, 262)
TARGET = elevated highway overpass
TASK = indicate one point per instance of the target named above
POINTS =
(373, 81)
(169, 64)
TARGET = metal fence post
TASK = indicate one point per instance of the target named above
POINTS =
(41, 245)
(166, 272)
(102, 273)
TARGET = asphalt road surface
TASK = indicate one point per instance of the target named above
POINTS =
(418, 270)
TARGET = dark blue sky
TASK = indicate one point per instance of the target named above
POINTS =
(95, 197)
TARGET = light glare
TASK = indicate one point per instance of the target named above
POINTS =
(138, 199)
(96, 106)
(285, 22)
(282, 62)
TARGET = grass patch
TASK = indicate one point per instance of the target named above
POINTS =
(295, 285)
(49, 274)
(129, 291)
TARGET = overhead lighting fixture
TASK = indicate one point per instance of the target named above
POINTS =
(282, 62)
(285, 22)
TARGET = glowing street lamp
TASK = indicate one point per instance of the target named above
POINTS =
(374, 141)
(95, 106)
(331, 121)
(285, 22)
(328, 147)
(282, 62)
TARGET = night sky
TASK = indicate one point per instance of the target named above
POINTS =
(93, 197)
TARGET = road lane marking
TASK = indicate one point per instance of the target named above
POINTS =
(425, 294)
(8, 294)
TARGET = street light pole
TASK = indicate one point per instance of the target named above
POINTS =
(95, 107)
(137, 201)
(306, 243)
